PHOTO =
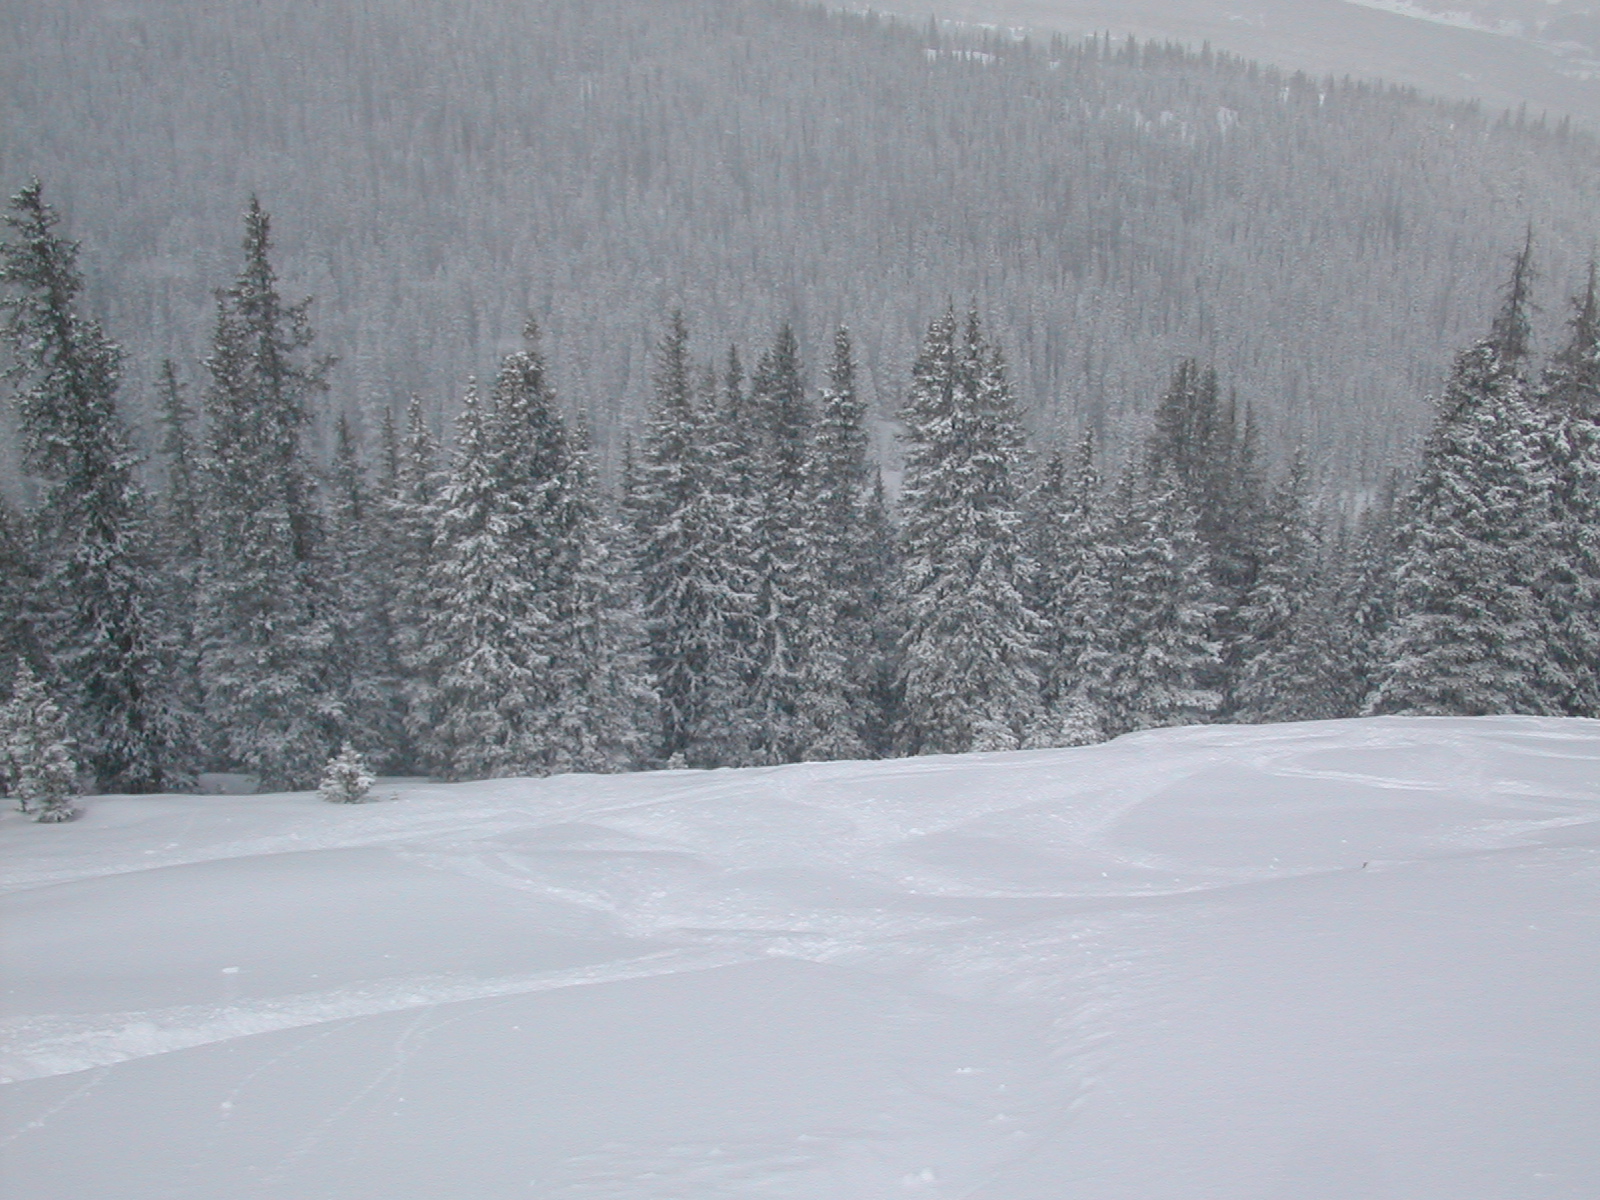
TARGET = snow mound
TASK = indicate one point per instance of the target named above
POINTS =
(1305, 962)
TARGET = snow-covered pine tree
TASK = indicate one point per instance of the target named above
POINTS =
(731, 452)
(347, 779)
(971, 644)
(1569, 400)
(18, 584)
(1200, 444)
(837, 669)
(450, 719)
(784, 583)
(604, 717)
(880, 586)
(1360, 608)
(504, 556)
(97, 614)
(1281, 669)
(36, 751)
(180, 509)
(408, 552)
(182, 552)
(1470, 635)
(1069, 591)
(265, 627)
(362, 672)
(1147, 661)
(690, 598)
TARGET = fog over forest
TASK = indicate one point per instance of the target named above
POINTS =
(438, 174)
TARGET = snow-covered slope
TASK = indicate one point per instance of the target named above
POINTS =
(1314, 962)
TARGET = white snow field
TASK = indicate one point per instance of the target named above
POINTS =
(1330, 961)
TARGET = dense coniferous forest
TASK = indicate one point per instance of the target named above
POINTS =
(750, 595)
(723, 384)
(442, 173)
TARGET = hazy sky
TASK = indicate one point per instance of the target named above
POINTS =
(1322, 36)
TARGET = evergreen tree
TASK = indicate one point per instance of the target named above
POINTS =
(1470, 635)
(730, 449)
(880, 576)
(691, 600)
(784, 584)
(265, 628)
(1570, 545)
(506, 556)
(361, 664)
(94, 593)
(1361, 601)
(408, 557)
(837, 669)
(1200, 445)
(1069, 592)
(1284, 618)
(18, 587)
(970, 667)
(347, 779)
(36, 752)
(605, 708)
(1148, 659)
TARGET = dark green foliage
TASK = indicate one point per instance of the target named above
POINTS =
(1151, 651)
(969, 671)
(1069, 540)
(509, 578)
(845, 576)
(266, 620)
(363, 671)
(1470, 634)
(785, 583)
(1569, 403)
(1201, 446)
(698, 614)
(93, 596)
(36, 752)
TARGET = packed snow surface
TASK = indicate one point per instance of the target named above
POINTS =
(1306, 962)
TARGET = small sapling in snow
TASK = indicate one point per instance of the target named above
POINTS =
(346, 779)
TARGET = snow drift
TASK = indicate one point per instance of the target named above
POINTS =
(1303, 962)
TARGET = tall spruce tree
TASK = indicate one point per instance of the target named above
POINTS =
(731, 453)
(407, 556)
(971, 643)
(97, 615)
(1069, 591)
(1284, 618)
(784, 583)
(693, 599)
(1569, 399)
(604, 714)
(1200, 444)
(266, 631)
(880, 584)
(835, 701)
(1150, 655)
(1470, 635)
(18, 587)
(362, 667)
(505, 557)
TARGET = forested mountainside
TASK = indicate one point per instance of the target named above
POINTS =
(1542, 55)
(440, 172)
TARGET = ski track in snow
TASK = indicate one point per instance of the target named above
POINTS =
(37, 1047)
